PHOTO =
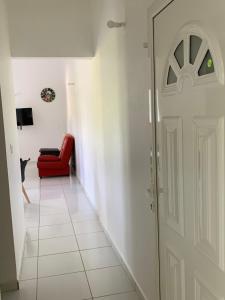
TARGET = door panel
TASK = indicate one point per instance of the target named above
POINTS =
(190, 99)
(175, 274)
(208, 184)
(173, 173)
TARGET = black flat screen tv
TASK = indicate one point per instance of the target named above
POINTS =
(24, 117)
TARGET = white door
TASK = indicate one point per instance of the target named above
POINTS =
(190, 93)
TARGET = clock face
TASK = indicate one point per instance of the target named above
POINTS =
(48, 95)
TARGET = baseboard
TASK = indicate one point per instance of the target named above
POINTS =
(124, 264)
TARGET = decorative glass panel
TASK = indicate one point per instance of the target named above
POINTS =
(207, 66)
(195, 44)
(179, 54)
(172, 78)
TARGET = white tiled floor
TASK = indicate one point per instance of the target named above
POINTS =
(67, 255)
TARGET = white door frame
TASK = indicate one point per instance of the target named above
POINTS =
(156, 8)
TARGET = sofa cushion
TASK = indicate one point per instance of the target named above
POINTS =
(48, 158)
(50, 165)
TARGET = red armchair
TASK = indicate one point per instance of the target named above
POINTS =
(51, 165)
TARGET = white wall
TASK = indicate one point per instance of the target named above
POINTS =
(50, 28)
(30, 77)
(11, 201)
(108, 106)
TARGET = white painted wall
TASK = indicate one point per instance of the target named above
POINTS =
(109, 117)
(50, 28)
(30, 77)
(11, 201)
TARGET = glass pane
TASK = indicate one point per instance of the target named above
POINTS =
(179, 54)
(195, 44)
(207, 66)
(172, 78)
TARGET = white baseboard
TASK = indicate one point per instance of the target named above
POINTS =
(124, 264)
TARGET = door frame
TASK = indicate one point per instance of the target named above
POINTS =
(154, 10)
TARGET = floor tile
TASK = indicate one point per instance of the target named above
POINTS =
(30, 248)
(126, 296)
(31, 210)
(31, 222)
(84, 216)
(34, 196)
(54, 219)
(59, 264)
(51, 210)
(77, 207)
(51, 193)
(76, 196)
(87, 227)
(31, 184)
(29, 268)
(27, 291)
(99, 258)
(72, 188)
(54, 231)
(32, 234)
(69, 180)
(53, 203)
(92, 240)
(108, 281)
(77, 202)
(66, 287)
(51, 181)
(57, 245)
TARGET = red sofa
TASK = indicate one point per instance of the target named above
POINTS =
(51, 165)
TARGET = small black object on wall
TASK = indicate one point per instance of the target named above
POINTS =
(24, 117)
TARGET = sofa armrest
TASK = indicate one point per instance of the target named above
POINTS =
(50, 158)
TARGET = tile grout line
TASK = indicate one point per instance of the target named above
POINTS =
(79, 250)
(115, 294)
(76, 272)
(75, 251)
(92, 297)
(119, 265)
(67, 198)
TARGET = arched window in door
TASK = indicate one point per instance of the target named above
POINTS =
(192, 55)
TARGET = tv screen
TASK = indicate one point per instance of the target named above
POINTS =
(24, 116)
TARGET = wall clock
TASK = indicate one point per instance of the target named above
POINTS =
(48, 95)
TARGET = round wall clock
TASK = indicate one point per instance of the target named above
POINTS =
(48, 95)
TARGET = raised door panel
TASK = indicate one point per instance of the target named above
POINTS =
(209, 188)
(203, 292)
(173, 173)
(175, 276)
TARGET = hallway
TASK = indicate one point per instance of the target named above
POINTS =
(67, 255)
